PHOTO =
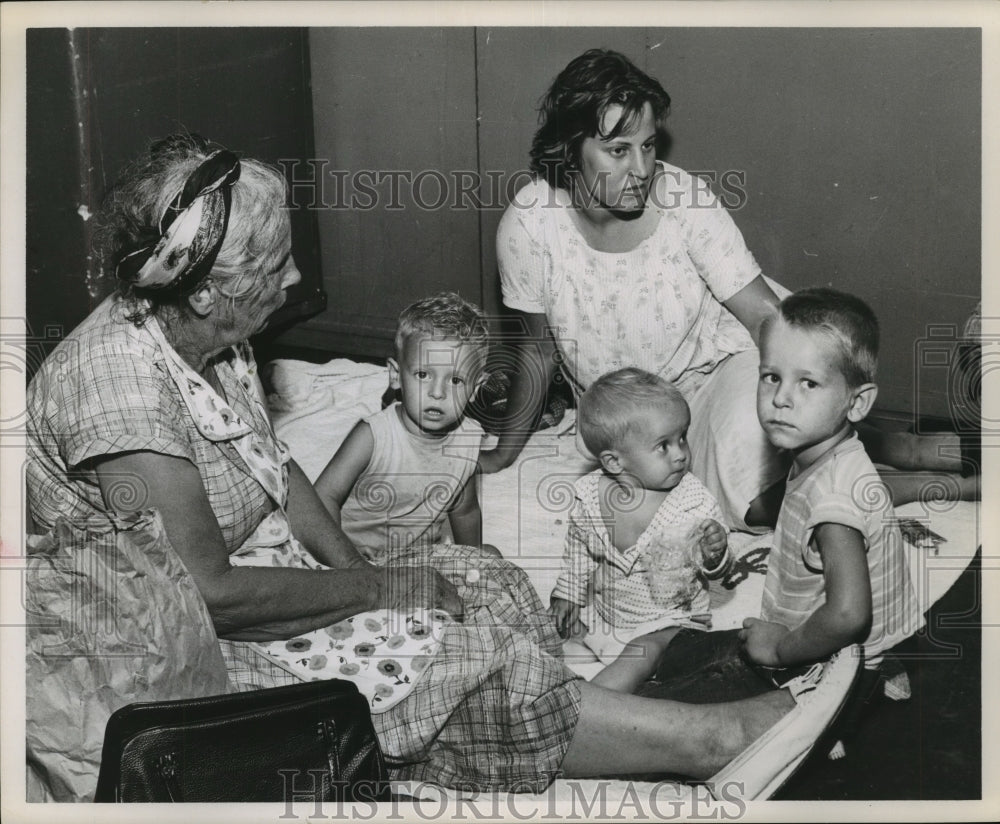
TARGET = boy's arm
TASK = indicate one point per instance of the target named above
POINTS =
(465, 516)
(337, 479)
(844, 618)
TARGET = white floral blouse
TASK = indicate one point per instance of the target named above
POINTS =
(658, 306)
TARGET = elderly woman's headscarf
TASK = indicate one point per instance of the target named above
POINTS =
(180, 251)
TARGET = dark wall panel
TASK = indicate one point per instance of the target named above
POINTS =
(97, 97)
(400, 102)
(57, 294)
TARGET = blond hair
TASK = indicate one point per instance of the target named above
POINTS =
(607, 410)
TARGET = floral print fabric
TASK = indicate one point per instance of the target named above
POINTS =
(384, 653)
(657, 306)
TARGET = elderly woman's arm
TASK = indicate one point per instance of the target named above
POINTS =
(258, 603)
(536, 367)
(752, 304)
(315, 527)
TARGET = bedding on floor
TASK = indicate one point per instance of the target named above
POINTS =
(525, 506)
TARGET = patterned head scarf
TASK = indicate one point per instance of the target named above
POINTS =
(190, 232)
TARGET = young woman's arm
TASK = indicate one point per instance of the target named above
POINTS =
(752, 304)
(536, 367)
(844, 618)
(465, 516)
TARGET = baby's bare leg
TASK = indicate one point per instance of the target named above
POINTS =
(636, 662)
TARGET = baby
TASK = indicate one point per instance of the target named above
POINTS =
(402, 472)
(626, 575)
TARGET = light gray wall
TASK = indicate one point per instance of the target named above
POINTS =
(860, 150)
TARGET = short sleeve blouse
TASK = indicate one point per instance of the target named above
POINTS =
(106, 390)
(658, 306)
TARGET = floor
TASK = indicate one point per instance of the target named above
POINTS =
(926, 748)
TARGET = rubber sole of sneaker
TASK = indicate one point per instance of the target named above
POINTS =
(770, 761)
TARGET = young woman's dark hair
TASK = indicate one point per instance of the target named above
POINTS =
(574, 107)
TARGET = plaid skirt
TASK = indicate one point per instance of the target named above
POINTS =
(496, 708)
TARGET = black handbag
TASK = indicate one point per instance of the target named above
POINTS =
(306, 742)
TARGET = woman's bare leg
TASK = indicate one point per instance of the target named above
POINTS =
(913, 468)
(936, 451)
(636, 662)
(905, 487)
(624, 734)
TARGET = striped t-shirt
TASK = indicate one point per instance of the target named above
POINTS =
(842, 487)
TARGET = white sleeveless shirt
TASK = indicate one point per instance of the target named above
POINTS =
(404, 494)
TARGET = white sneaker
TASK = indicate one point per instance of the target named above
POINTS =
(763, 767)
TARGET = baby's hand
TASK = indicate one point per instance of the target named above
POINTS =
(713, 543)
(566, 614)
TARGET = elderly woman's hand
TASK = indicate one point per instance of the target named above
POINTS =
(413, 587)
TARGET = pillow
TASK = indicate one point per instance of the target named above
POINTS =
(314, 406)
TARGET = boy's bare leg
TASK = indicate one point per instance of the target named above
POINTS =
(619, 734)
(636, 662)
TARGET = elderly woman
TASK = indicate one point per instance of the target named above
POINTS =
(613, 259)
(159, 385)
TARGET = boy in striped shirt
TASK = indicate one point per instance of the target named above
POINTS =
(836, 574)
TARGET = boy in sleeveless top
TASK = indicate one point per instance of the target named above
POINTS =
(404, 472)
